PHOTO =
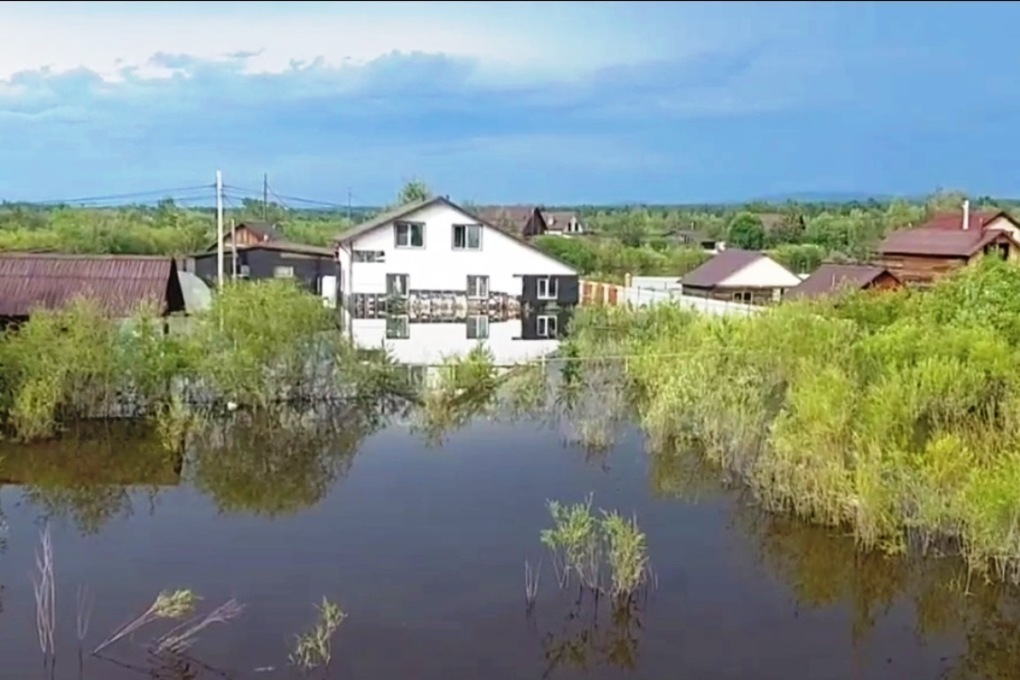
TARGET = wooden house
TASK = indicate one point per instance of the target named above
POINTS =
(833, 279)
(314, 268)
(249, 233)
(519, 220)
(948, 242)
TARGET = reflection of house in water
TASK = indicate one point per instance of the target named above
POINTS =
(428, 341)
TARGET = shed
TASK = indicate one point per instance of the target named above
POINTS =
(120, 284)
(832, 279)
(313, 267)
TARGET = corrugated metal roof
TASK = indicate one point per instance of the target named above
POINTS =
(119, 283)
(720, 268)
(938, 241)
(832, 278)
(279, 246)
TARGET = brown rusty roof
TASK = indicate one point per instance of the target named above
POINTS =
(119, 283)
(979, 219)
(720, 268)
(833, 278)
(508, 217)
(557, 220)
(939, 241)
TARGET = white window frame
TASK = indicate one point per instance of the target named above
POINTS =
(546, 325)
(467, 230)
(481, 282)
(552, 288)
(409, 227)
(283, 271)
(397, 277)
(402, 324)
(480, 327)
(369, 256)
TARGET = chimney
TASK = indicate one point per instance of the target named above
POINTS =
(966, 214)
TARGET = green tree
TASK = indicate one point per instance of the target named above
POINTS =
(746, 231)
(414, 191)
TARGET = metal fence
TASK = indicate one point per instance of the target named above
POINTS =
(598, 292)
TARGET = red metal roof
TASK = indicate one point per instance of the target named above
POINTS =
(939, 242)
(954, 220)
(119, 283)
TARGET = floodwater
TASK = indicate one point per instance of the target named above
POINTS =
(424, 549)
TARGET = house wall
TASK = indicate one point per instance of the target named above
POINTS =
(431, 343)
(437, 266)
(884, 281)
(762, 273)
(309, 270)
(1003, 224)
(915, 269)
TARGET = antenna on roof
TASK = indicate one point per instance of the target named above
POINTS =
(966, 214)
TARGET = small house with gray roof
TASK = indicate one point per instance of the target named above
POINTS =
(738, 275)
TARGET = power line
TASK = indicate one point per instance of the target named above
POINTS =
(117, 197)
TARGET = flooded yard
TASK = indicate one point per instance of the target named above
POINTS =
(422, 542)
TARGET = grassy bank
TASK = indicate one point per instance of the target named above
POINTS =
(261, 344)
(898, 416)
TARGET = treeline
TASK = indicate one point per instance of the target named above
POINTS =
(643, 240)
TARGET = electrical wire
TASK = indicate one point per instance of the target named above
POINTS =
(163, 193)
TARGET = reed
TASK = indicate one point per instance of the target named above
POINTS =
(167, 605)
(186, 634)
(314, 648)
(532, 578)
(44, 589)
(894, 415)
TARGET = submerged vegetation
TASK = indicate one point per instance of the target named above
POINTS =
(895, 415)
(585, 543)
(315, 647)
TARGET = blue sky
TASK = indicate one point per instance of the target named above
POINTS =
(525, 102)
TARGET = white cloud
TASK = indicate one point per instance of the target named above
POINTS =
(107, 39)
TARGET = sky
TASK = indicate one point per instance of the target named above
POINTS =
(555, 103)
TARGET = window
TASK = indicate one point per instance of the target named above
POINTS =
(283, 272)
(546, 326)
(467, 237)
(477, 327)
(409, 234)
(478, 287)
(397, 328)
(397, 285)
(369, 256)
(742, 296)
(547, 289)
(245, 271)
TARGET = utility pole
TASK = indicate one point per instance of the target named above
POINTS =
(233, 251)
(219, 230)
(265, 195)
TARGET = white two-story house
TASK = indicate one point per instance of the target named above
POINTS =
(434, 249)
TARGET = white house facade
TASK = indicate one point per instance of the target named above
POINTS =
(435, 249)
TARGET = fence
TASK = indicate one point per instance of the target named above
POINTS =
(597, 292)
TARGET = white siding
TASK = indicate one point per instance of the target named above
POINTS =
(762, 273)
(430, 343)
(437, 266)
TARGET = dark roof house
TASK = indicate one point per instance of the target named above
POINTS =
(308, 265)
(519, 220)
(563, 222)
(120, 284)
(947, 242)
(830, 279)
(251, 232)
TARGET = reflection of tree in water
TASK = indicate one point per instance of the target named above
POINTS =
(587, 638)
(278, 461)
(824, 567)
(88, 474)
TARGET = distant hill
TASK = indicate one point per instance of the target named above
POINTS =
(829, 197)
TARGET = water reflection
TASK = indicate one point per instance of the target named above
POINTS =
(429, 341)
(283, 461)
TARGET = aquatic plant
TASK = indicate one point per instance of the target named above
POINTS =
(582, 543)
(626, 552)
(575, 542)
(532, 577)
(314, 648)
(44, 589)
(186, 634)
(896, 415)
(83, 612)
(168, 605)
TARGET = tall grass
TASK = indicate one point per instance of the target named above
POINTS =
(314, 648)
(896, 415)
(262, 343)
